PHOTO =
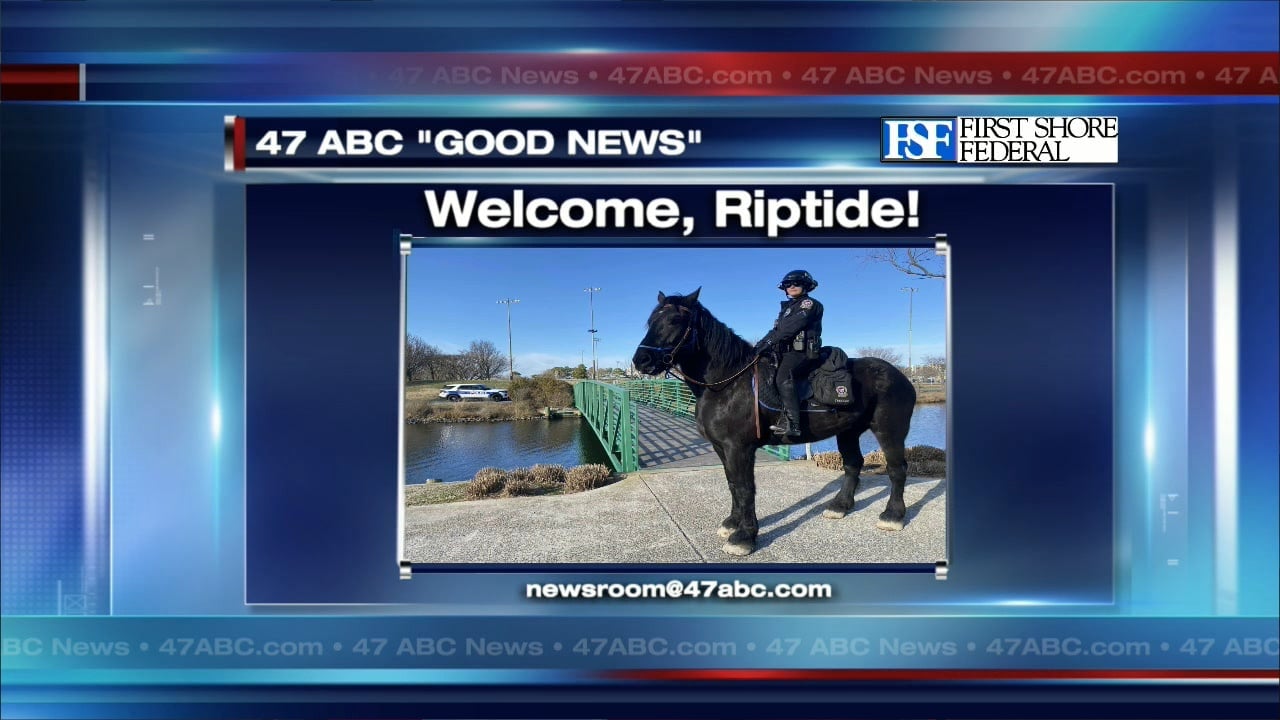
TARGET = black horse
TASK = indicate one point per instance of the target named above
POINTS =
(718, 367)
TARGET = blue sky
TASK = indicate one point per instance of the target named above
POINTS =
(454, 293)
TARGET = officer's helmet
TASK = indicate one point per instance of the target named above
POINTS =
(798, 277)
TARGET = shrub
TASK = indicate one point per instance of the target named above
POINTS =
(586, 477)
(928, 468)
(923, 453)
(418, 409)
(548, 474)
(923, 460)
(543, 390)
(829, 461)
(487, 482)
(520, 482)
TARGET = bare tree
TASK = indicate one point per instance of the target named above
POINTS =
(483, 360)
(887, 354)
(424, 361)
(450, 367)
(435, 364)
(417, 354)
(916, 262)
(933, 367)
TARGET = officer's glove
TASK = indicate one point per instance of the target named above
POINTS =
(762, 347)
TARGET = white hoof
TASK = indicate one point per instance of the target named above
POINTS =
(832, 514)
(889, 524)
(733, 549)
(724, 532)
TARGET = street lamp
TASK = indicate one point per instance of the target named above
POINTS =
(511, 359)
(591, 297)
(911, 297)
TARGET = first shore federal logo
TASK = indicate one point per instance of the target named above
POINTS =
(1071, 139)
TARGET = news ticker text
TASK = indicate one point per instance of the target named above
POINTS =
(410, 649)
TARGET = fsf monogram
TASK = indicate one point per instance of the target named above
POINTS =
(917, 140)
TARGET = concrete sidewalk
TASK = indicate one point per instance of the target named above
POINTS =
(671, 516)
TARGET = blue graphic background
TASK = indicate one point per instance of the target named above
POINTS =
(1196, 174)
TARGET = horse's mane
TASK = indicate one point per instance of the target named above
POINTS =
(725, 349)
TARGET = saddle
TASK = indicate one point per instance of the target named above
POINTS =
(828, 387)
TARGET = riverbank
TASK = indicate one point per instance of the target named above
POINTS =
(443, 411)
(494, 483)
(931, 394)
(422, 405)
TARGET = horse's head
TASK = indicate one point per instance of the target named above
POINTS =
(670, 333)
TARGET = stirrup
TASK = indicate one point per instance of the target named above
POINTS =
(787, 426)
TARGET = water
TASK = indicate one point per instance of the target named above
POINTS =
(453, 452)
(928, 427)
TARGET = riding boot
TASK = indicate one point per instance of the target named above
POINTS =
(789, 422)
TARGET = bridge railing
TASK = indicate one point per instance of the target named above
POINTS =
(612, 416)
(670, 396)
(674, 397)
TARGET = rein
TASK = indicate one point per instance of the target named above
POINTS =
(712, 385)
(669, 358)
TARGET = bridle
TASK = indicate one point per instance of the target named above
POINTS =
(669, 354)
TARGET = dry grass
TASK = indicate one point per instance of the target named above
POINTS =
(520, 482)
(586, 477)
(434, 493)
(931, 394)
(537, 480)
(422, 403)
(494, 482)
(549, 474)
(829, 460)
(488, 482)
(419, 411)
(922, 461)
(925, 453)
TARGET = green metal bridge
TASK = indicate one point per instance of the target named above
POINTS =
(649, 423)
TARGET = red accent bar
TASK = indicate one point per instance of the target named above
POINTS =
(925, 675)
(237, 145)
(39, 83)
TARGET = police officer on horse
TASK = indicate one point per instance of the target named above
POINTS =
(796, 338)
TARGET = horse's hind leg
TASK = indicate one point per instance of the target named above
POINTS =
(893, 444)
(851, 458)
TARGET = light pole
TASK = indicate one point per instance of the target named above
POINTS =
(591, 302)
(911, 297)
(511, 359)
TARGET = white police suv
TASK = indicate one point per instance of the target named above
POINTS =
(457, 392)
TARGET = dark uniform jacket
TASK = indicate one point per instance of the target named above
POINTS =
(798, 327)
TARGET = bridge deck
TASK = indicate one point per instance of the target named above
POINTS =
(670, 441)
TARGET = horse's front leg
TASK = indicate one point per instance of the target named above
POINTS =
(731, 523)
(740, 471)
